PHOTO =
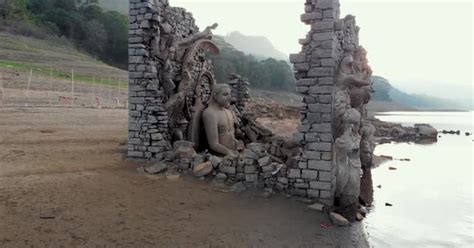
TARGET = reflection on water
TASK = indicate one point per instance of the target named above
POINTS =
(432, 194)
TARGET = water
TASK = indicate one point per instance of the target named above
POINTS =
(432, 194)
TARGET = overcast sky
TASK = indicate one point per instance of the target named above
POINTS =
(421, 46)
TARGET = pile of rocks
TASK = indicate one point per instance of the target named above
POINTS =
(240, 91)
(397, 132)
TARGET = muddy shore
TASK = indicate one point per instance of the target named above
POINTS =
(64, 182)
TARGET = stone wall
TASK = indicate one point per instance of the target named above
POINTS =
(332, 97)
(315, 68)
(153, 23)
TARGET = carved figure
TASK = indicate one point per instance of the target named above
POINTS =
(367, 144)
(348, 164)
(219, 122)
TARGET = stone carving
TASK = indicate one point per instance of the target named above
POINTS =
(367, 144)
(219, 122)
(348, 164)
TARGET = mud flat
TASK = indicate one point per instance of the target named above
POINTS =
(64, 182)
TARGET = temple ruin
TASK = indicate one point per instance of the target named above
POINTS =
(180, 116)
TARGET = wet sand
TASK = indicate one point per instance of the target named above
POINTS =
(64, 182)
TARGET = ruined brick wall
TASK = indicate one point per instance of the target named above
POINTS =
(315, 68)
(148, 120)
(329, 40)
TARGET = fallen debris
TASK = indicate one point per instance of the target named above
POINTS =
(203, 169)
(156, 168)
(338, 219)
(317, 206)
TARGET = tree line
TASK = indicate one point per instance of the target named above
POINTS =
(103, 34)
(270, 74)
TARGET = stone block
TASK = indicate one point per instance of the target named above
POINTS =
(309, 174)
(156, 136)
(320, 108)
(311, 137)
(313, 193)
(251, 177)
(301, 67)
(319, 146)
(322, 71)
(298, 58)
(227, 169)
(250, 169)
(311, 16)
(306, 82)
(326, 4)
(283, 180)
(320, 185)
(135, 154)
(320, 53)
(301, 185)
(294, 173)
(323, 36)
(324, 176)
(327, 25)
(320, 165)
(326, 156)
(322, 127)
(312, 155)
(326, 80)
(326, 137)
(302, 165)
(325, 99)
(329, 62)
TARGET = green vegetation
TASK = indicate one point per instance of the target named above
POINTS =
(269, 74)
(104, 35)
(25, 67)
(100, 33)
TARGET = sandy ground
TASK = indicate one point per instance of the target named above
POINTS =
(64, 183)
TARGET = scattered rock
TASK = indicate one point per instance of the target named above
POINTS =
(215, 161)
(392, 168)
(221, 176)
(468, 134)
(264, 161)
(388, 205)
(203, 169)
(156, 168)
(317, 206)
(359, 217)
(238, 187)
(338, 219)
(379, 186)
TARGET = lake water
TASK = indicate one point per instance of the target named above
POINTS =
(432, 194)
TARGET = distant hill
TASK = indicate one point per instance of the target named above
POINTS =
(259, 46)
(269, 73)
(115, 5)
(385, 92)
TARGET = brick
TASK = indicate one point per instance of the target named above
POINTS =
(323, 127)
(320, 165)
(294, 173)
(298, 58)
(324, 176)
(309, 174)
(319, 146)
(321, 71)
(320, 185)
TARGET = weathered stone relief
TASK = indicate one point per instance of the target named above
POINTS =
(183, 119)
